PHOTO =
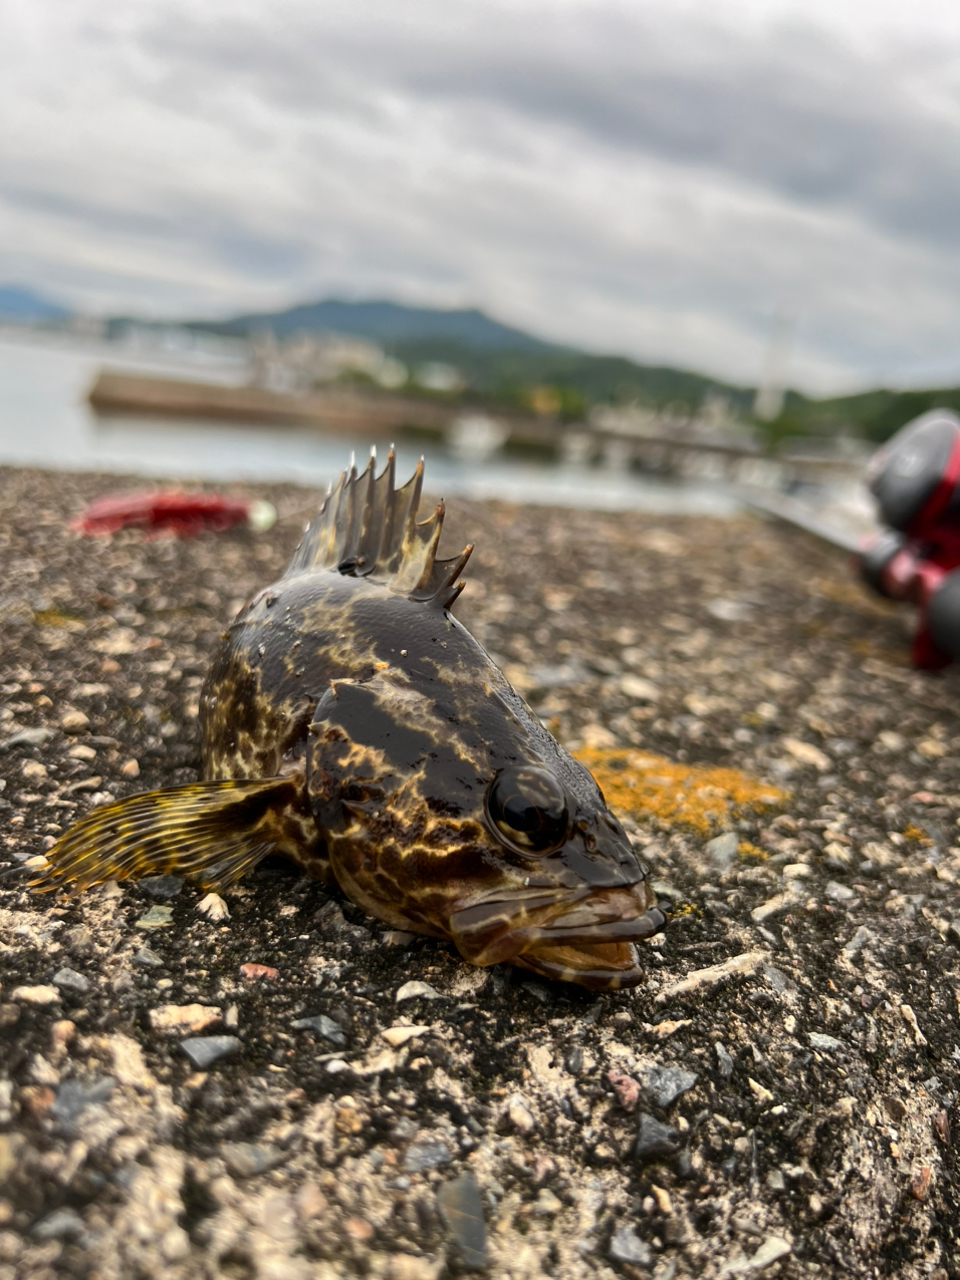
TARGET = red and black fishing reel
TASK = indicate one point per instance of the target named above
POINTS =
(915, 478)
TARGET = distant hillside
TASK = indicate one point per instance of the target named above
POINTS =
(502, 375)
(499, 363)
(876, 415)
(387, 323)
(20, 303)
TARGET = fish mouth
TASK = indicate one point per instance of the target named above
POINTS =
(585, 937)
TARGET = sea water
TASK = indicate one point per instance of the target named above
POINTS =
(46, 421)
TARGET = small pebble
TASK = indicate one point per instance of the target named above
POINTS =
(807, 753)
(82, 752)
(638, 689)
(520, 1115)
(324, 1026)
(203, 1051)
(728, 610)
(547, 1205)
(251, 972)
(762, 1095)
(184, 1017)
(396, 1036)
(772, 1250)
(627, 1247)
(359, 1229)
(213, 907)
(426, 1155)
(74, 722)
(796, 871)
(130, 769)
(156, 918)
(33, 771)
(574, 1060)
(74, 1096)
(920, 1184)
(410, 990)
(626, 1088)
(655, 1139)
(61, 1036)
(724, 1061)
(663, 1085)
(69, 980)
(247, 1159)
(861, 937)
(310, 1201)
(827, 1044)
(93, 783)
(61, 1224)
(462, 1210)
(148, 959)
(28, 738)
(80, 940)
(35, 995)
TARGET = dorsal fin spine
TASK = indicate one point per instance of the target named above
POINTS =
(367, 527)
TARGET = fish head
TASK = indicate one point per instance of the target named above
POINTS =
(477, 828)
(572, 897)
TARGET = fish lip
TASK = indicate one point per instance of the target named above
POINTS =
(488, 931)
(603, 975)
(593, 942)
(636, 929)
(610, 915)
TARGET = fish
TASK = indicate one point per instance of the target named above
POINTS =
(350, 722)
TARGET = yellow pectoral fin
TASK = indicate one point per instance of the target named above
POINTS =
(210, 832)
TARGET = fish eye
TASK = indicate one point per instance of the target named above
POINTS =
(528, 809)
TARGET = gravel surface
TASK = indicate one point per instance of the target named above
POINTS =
(295, 1092)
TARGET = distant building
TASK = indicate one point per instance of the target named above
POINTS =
(306, 360)
(476, 436)
(434, 375)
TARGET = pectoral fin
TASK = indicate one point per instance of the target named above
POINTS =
(210, 832)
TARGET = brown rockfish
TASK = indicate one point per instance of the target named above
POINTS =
(351, 723)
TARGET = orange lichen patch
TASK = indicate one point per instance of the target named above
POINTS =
(683, 909)
(916, 834)
(748, 852)
(697, 796)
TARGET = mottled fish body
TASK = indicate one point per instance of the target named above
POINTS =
(350, 722)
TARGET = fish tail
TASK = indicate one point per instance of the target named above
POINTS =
(211, 833)
(368, 528)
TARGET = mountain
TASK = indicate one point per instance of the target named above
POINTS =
(19, 303)
(500, 363)
(387, 323)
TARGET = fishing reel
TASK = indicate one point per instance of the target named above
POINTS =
(915, 478)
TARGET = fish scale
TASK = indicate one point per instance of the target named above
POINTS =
(350, 722)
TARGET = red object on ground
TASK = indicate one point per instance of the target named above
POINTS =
(916, 572)
(182, 514)
(916, 480)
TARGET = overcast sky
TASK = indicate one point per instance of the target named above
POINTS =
(661, 178)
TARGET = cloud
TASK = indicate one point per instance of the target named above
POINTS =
(659, 180)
